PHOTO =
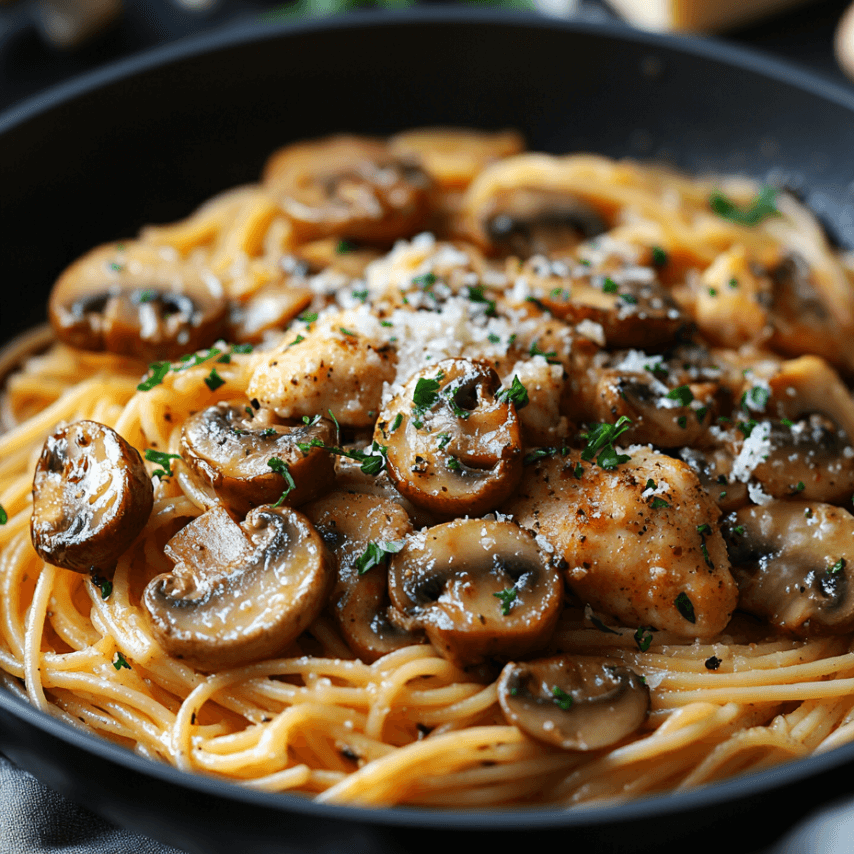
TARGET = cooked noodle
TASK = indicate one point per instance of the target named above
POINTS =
(413, 727)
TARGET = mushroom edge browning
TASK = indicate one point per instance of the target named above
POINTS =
(577, 703)
(239, 593)
(479, 589)
(91, 498)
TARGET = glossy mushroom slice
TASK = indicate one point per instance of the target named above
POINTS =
(659, 415)
(806, 459)
(628, 301)
(133, 300)
(454, 444)
(794, 564)
(348, 186)
(479, 588)
(576, 703)
(363, 531)
(713, 467)
(250, 458)
(239, 593)
(91, 498)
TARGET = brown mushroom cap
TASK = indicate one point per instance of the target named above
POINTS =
(794, 564)
(713, 467)
(805, 459)
(91, 497)
(351, 523)
(348, 186)
(231, 450)
(239, 593)
(132, 301)
(479, 588)
(576, 703)
(453, 447)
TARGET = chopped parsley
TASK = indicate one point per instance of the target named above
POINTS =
(685, 607)
(600, 440)
(588, 612)
(424, 397)
(507, 597)
(536, 351)
(4, 516)
(475, 294)
(609, 286)
(758, 396)
(650, 484)
(344, 246)
(281, 467)
(347, 332)
(763, 206)
(746, 427)
(161, 459)
(443, 438)
(308, 317)
(158, 371)
(376, 553)
(372, 462)
(837, 567)
(630, 299)
(643, 637)
(213, 380)
(659, 257)
(681, 393)
(561, 698)
(121, 662)
(658, 503)
(799, 486)
(454, 464)
(103, 584)
(425, 281)
(398, 420)
(517, 394)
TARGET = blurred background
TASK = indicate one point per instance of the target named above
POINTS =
(45, 41)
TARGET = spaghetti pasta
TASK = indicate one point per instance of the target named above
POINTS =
(660, 358)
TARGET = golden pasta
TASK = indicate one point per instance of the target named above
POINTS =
(432, 471)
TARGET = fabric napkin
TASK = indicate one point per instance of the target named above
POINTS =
(36, 820)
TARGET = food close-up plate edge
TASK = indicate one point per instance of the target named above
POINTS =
(708, 798)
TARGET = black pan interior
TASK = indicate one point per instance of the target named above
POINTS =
(146, 140)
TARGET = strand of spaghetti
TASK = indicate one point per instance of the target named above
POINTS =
(469, 707)
(280, 781)
(16, 558)
(372, 784)
(769, 693)
(33, 675)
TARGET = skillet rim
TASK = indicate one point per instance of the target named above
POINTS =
(535, 818)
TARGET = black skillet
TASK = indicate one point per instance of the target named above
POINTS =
(147, 139)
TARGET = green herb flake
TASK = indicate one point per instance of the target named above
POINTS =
(629, 299)
(476, 294)
(786, 422)
(104, 585)
(161, 459)
(398, 420)
(4, 516)
(799, 486)
(704, 530)
(609, 286)
(713, 292)
(643, 637)
(535, 350)
(650, 484)
(281, 467)
(454, 464)
(837, 567)
(213, 380)
(763, 206)
(147, 296)
(158, 371)
(658, 503)
(308, 317)
(733, 282)
(425, 281)
(507, 597)
(681, 393)
(347, 332)
(121, 662)
(578, 471)
(376, 553)
(685, 607)
(362, 295)
(600, 440)
(659, 257)
(517, 394)
(561, 699)
(344, 246)
(746, 427)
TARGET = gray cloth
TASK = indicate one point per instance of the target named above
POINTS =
(36, 820)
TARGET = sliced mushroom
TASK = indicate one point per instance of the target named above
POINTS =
(629, 302)
(91, 498)
(131, 300)
(348, 186)
(794, 564)
(809, 384)
(661, 416)
(713, 467)
(453, 446)
(479, 588)
(234, 448)
(239, 593)
(362, 531)
(576, 703)
(804, 459)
